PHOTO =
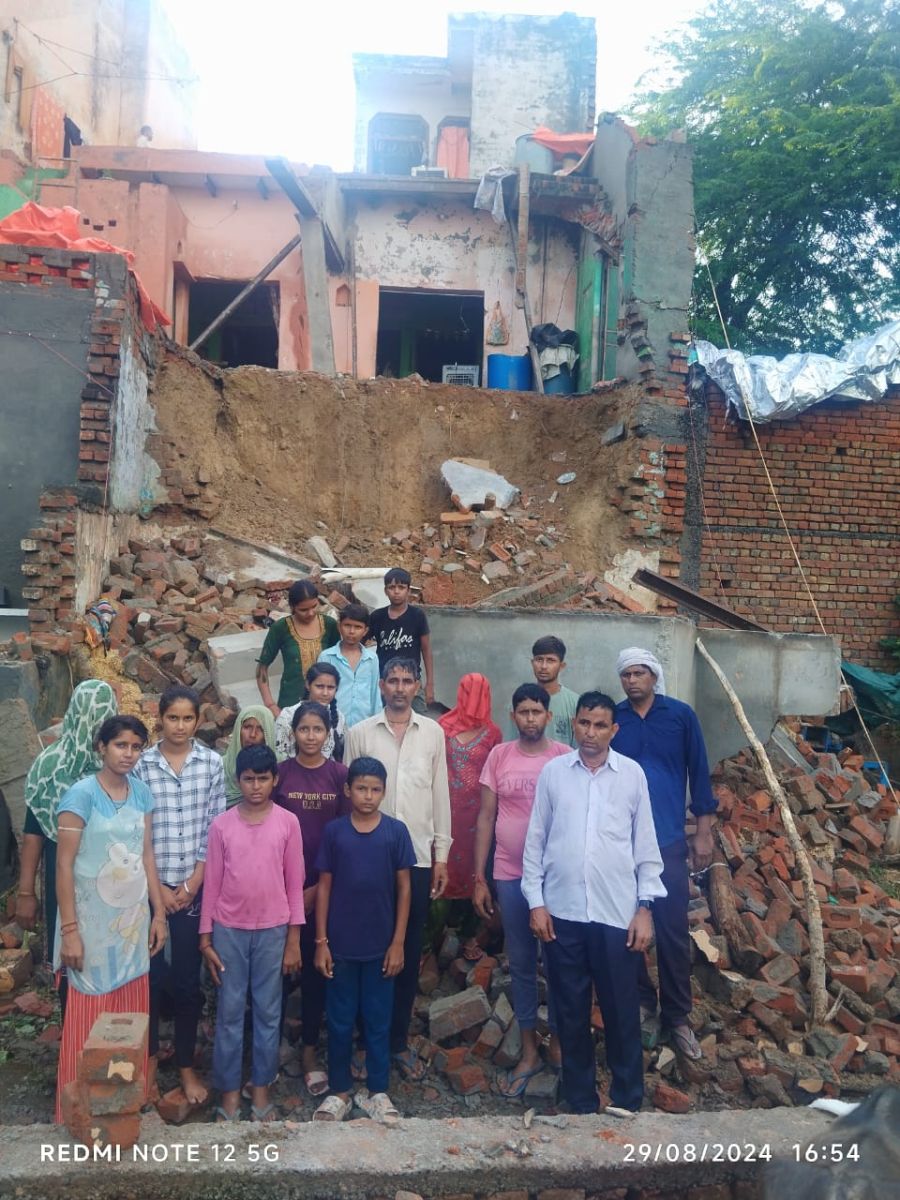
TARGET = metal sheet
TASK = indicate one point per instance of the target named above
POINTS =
(770, 389)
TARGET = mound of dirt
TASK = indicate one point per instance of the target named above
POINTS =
(294, 454)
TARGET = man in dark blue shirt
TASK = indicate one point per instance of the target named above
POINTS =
(664, 736)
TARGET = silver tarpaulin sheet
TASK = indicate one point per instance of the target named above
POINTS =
(770, 389)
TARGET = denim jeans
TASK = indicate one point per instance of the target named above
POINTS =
(359, 989)
(522, 949)
(251, 957)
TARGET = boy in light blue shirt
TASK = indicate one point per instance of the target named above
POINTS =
(358, 695)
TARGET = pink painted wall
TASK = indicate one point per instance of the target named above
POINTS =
(229, 236)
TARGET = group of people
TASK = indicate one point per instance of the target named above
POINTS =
(339, 820)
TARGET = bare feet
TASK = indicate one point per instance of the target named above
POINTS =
(193, 1086)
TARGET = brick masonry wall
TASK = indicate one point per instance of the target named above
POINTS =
(836, 469)
(49, 550)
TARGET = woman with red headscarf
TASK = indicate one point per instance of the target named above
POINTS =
(470, 735)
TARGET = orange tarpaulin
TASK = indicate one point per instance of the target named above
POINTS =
(563, 143)
(34, 225)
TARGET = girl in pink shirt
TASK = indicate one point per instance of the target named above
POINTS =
(250, 935)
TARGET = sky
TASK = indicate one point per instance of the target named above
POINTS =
(276, 75)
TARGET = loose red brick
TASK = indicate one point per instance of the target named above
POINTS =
(468, 1079)
(116, 1048)
(670, 1099)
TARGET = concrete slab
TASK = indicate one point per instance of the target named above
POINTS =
(19, 747)
(774, 674)
(359, 1159)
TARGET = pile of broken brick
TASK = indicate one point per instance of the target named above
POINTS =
(751, 1010)
(173, 594)
(750, 946)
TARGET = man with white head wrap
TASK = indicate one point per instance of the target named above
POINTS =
(664, 736)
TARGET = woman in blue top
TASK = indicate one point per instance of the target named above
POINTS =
(104, 872)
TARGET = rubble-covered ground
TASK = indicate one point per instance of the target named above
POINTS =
(751, 1009)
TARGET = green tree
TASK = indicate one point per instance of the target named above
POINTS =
(793, 111)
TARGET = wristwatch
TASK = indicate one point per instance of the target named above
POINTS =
(645, 904)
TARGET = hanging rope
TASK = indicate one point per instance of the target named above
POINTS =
(793, 547)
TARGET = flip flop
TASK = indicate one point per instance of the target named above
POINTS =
(409, 1064)
(316, 1082)
(226, 1118)
(378, 1106)
(520, 1080)
(333, 1108)
(263, 1114)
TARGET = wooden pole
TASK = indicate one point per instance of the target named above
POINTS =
(242, 295)
(817, 989)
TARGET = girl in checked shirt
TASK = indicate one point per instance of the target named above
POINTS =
(187, 782)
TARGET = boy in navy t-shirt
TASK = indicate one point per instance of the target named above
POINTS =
(362, 907)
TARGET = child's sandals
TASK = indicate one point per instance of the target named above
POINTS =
(227, 1118)
(265, 1115)
(378, 1106)
(332, 1108)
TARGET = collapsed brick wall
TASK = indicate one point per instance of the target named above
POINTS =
(50, 550)
(836, 468)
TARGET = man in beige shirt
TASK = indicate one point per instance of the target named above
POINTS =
(413, 751)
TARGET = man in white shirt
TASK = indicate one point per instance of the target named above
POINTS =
(413, 750)
(591, 871)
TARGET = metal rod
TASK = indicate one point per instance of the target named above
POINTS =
(251, 286)
(688, 598)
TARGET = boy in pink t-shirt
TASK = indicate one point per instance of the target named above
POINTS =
(508, 783)
(250, 922)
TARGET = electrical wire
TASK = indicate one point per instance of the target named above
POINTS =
(803, 576)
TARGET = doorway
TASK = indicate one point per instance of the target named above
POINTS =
(249, 337)
(423, 332)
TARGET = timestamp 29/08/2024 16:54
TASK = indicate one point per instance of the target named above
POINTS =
(733, 1152)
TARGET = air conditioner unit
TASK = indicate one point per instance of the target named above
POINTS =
(461, 376)
(430, 172)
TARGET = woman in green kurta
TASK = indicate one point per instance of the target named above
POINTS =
(299, 639)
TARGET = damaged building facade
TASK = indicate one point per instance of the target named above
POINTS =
(416, 277)
(397, 274)
(92, 73)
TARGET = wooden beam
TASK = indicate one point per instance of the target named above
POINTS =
(298, 194)
(519, 235)
(245, 292)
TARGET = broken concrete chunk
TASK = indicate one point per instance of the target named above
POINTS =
(615, 433)
(454, 1014)
(494, 570)
(566, 477)
(319, 549)
(473, 485)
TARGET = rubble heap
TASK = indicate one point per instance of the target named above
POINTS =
(750, 959)
(173, 594)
